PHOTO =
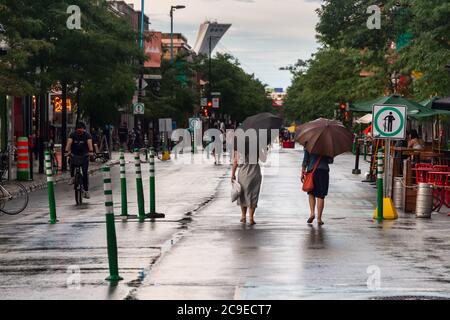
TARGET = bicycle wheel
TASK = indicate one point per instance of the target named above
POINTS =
(78, 186)
(13, 197)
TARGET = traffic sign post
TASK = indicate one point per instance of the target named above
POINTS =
(195, 127)
(388, 123)
(215, 103)
(138, 108)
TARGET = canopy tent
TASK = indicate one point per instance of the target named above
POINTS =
(292, 128)
(441, 104)
(366, 106)
(365, 119)
(429, 111)
(415, 110)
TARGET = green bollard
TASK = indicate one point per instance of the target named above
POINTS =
(123, 185)
(50, 188)
(110, 227)
(152, 183)
(380, 195)
(153, 213)
(354, 146)
(139, 186)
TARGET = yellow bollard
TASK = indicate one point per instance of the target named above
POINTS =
(389, 211)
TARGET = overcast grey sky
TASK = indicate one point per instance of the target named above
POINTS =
(266, 34)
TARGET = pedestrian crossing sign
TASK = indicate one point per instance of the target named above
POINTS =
(389, 122)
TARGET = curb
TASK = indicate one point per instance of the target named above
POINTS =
(63, 178)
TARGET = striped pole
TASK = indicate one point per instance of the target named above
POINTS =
(139, 186)
(123, 185)
(152, 182)
(380, 173)
(50, 188)
(110, 227)
(23, 161)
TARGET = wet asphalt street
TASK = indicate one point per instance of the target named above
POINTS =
(201, 251)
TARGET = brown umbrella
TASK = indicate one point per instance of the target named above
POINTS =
(325, 137)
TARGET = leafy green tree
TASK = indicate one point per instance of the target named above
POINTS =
(429, 50)
(100, 59)
(242, 94)
(330, 77)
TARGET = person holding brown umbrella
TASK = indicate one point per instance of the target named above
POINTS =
(323, 140)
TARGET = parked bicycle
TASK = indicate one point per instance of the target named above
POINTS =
(13, 195)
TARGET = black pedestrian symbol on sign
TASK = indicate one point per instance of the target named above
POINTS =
(388, 122)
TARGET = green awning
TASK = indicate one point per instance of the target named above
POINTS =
(366, 106)
(428, 111)
(415, 110)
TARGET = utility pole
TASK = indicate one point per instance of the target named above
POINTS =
(210, 68)
(141, 46)
(172, 9)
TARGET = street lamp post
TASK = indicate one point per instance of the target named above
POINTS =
(172, 9)
(142, 24)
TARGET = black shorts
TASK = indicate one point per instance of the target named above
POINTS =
(321, 183)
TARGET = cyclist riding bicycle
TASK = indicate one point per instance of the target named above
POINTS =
(79, 144)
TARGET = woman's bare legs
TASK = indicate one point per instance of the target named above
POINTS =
(244, 214)
(320, 206)
(252, 215)
(312, 206)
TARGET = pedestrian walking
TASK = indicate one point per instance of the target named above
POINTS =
(249, 177)
(323, 140)
(318, 166)
(123, 136)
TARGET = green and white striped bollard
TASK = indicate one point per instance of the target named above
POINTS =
(152, 182)
(139, 186)
(380, 193)
(50, 188)
(123, 186)
(153, 213)
(111, 239)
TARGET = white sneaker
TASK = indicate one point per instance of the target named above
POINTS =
(86, 195)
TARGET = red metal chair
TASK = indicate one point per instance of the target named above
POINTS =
(439, 179)
(422, 170)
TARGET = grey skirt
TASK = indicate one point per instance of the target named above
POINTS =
(249, 177)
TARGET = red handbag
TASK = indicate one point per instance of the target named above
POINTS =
(308, 182)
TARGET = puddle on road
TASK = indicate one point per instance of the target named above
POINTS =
(168, 245)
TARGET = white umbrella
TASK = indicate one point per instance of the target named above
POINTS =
(365, 120)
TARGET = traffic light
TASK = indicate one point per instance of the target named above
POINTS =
(210, 104)
(205, 112)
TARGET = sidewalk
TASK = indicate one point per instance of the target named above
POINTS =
(40, 180)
